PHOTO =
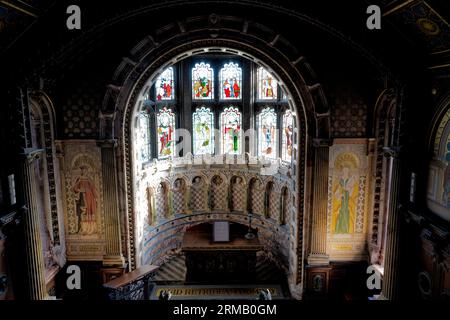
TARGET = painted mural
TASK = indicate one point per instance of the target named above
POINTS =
(347, 200)
(83, 200)
(345, 194)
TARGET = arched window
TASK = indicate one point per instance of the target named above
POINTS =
(202, 82)
(267, 85)
(230, 128)
(288, 129)
(164, 86)
(143, 137)
(267, 133)
(203, 135)
(439, 170)
(230, 78)
(166, 138)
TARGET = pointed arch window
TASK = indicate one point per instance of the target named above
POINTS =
(267, 133)
(165, 129)
(267, 85)
(203, 131)
(287, 134)
(164, 86)
(143, 137)
(230, 128)
(230, 79)
(202, 82)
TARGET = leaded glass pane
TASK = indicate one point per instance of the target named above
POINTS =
(230, 126)
(203, 127)
(202, 81)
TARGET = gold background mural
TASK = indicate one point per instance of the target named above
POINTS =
(348, 184)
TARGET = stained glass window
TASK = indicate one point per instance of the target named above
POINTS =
(164, 85)
(203, 135)
(202, 81)
(166, 137)
(267, 133)
(288, 129)
(143, 137)
(230, 127)
(230, 78)
(267, 85)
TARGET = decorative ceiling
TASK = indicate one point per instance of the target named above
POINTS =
(16, 16)
(425, 21)
(422, 22)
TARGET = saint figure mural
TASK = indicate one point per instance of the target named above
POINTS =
(86, 197)
(345, 193)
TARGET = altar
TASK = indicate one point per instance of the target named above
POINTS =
(220, 262)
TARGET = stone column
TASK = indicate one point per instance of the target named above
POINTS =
(113, 255)
(35, 276)
(318, 246)
(390, 286)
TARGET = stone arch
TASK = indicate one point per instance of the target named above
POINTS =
(256, 196)
(238, 193)
(218, 192)
(153, 54)
(199, 193)
(179, 194)
(269, 199)
(162, 198)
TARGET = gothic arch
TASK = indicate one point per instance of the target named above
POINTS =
(383, 127)
(41, 104)
(438, 189)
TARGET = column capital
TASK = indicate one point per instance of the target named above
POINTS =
(107, 143)
(393, 152)
(321, 143)
(31, 154)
